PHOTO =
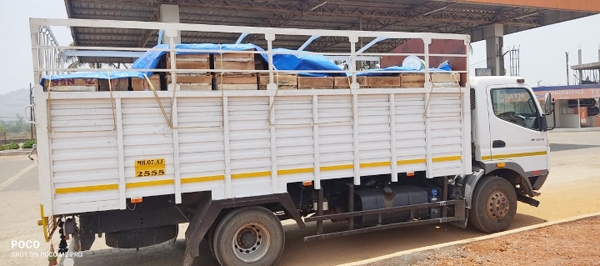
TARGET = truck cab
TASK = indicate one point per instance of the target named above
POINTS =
(510, 131)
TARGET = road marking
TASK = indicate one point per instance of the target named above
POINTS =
(16, 177)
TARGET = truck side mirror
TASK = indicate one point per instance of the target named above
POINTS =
(548, 103)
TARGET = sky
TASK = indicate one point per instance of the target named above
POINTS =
(542, 50)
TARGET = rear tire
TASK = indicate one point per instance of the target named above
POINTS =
(494, 205)
(249, 236)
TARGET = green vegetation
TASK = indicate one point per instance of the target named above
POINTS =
(12, 146)
(28, 144)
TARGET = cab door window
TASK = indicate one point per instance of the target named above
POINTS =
(515, 105)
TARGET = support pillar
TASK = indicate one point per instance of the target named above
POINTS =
(493, 35)
(170, 13)
(580, 62)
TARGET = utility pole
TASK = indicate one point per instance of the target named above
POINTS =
(567, 55)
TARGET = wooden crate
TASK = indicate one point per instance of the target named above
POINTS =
(412, 80)
(283, 81)
(384, 82)
(195, 86)
(236, 81)
(141, 84)
(193, 81)
(192, 78)
(74, 84)
(344, 82)
(234, 61)
(121, 84)
(190, 61)
(445, 79)
(315, 82)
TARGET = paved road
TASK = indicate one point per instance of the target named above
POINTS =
(571, 190)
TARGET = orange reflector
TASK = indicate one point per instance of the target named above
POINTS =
(410, 174)
(501, 165)
(137, 200)
(535, 173)
(307, 183)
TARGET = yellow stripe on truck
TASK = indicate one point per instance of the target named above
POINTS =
(447, 159)
(513, 155)
(190, 180)
(150, 183)
(81, 189)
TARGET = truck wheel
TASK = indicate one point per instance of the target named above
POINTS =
(494, 205)
(249, 236)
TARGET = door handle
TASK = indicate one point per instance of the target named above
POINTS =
(498, 144)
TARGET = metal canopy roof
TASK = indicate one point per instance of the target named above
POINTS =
(383, 15)
(588, 66)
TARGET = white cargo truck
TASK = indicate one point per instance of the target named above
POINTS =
(133, 165)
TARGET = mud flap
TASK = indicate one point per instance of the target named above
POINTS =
(463, 224)
(205, 215)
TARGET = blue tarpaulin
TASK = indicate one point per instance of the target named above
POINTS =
(299, 61)
(94, 75)
(304, 61)
(150, 59)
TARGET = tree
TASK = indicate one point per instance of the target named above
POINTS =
(18, 126)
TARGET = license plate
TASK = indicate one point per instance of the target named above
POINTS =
(150, 167)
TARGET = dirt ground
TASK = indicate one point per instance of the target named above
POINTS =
(573, 243)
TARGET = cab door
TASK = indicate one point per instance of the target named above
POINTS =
(516, 130)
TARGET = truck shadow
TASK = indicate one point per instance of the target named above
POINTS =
(297, 252)
(375, 244)
(567, 147)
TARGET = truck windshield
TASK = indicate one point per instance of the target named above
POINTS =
(515, 105)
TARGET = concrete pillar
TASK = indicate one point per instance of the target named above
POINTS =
(580, 62)
(494, 42)
(170, 13)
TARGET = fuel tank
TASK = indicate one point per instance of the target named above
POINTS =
(369, 199)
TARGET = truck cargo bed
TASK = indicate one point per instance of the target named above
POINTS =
(103, 150)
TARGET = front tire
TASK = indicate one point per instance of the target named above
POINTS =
(249, 236)
(494, 205)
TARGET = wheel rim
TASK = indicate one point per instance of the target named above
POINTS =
(497, 205)
(251, 242)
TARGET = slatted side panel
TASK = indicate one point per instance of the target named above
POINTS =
(336, 149)
(249, 145)
(411, 147)
(446, 133)
(294, 138)
(84, 153)
(146, 135)
(374, 134)
(85, 146)
(201, 147)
